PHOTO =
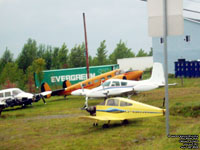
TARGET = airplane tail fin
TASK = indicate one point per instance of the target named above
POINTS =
(45, 87)
(66, 84)
(157, 75)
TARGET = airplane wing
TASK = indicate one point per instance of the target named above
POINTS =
(102, 118)
(46, 93)
(80, 92)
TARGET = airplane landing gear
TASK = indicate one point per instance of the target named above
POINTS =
(95, 124)
(106, 125)
(124, 122)
(1, 108)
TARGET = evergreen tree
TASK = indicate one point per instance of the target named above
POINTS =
(55, 59)
(41, 50)
(38, 67)
(28, 54)
(63, 56)
(48, 57)
(12, 73)
(6, 58)
(141, 53)
(151, 52)
(121, 51)
(101, 56)
(77, 56)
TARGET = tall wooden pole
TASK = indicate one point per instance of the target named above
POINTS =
(86, 47)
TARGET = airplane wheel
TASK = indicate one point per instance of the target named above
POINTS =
(1, 108)
(125, 122)
(95, 124)
(105, 126)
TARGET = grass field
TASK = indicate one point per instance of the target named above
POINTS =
(56, 125)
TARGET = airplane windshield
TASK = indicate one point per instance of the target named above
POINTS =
(124, 83)
(125, 104)
(16, 92)
(115, 83)
(106, 83)
(112, 102)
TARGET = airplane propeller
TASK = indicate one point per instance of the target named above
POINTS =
(43, 98)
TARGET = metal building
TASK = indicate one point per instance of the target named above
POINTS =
(135, 63)
(74, 75)
(186, 46)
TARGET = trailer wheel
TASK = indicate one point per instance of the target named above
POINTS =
(1, 108)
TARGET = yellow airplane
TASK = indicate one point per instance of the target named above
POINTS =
(121, 109)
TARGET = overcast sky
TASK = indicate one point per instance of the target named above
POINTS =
(53, 22)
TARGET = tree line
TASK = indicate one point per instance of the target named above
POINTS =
(35, 58)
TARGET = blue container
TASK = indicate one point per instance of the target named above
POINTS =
(188, 69)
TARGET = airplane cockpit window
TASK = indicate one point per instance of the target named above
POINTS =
(117, 72)
(7, 94)
(16, 92)
(102, 79)
(103, 103)
(83, 85)
(123, 83)
(95, 81)
(113, 102)
(1, 95)
(122, 103)
(106, 83)
(109, 76)
(115, 83)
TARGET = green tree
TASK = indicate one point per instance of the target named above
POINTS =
(94, 61)
(38, 67)
(121, 51)
(151, 52)
(55, 60)
(28, 54)
(63, 56)
(77, 56)
(101, 57)
(48, 57)
(41, 51)
(12, 73)
(30, 79)
(6, 58)
(141, 53)
(91, 60)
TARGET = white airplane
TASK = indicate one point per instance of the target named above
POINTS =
(14, 97)
(116, 87)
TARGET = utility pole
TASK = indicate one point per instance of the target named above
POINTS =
(165, 28)
(160, 26)
(86, 47)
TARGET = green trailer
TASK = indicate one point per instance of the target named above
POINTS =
(74, 75)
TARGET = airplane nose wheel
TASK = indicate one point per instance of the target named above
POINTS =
(95, 124)
(124, 122)
(105, 126)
